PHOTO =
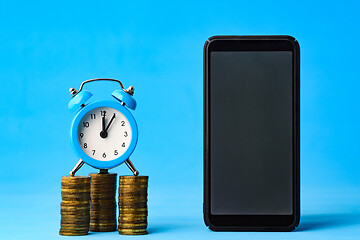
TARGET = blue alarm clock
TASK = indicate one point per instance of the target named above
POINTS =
(103, 133)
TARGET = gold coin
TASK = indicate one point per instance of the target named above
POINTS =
(103, 201)
(71, 217)
(104, 185)
(132, 203)
(82, 212)
(74, 190)
(104, 182)
(69, 188)
(103, 229)
(96, 213)
(103, 205)
(75, 204)
(102, 208)
(132, 190)
(132, 194)
(82, 195)
(133, 213)
(74, 228)
(103, 218)
(131, 225)
(132, 231)
(133, 208)
(133, 178)
(67, 219)
(102, 213)
(75, 178)
(75, 184)
(68, 198)
(132, 200)
(79, 201)
(103, 191)
(131, 197)
(103, 188)
(103, 224)
(82, 233)
(123, 223)
(102, 197)
(126, 213)
(133, 218)
(132, 186)
(77, 226)
(75, 207)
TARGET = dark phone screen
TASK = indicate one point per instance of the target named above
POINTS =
(251, 133)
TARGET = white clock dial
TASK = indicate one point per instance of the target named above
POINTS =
(104, 138)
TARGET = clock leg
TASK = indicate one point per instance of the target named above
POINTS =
(79, 164)
(131, 166)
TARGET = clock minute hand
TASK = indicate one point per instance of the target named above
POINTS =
(112, 119)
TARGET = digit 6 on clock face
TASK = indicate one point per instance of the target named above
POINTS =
(104, 134)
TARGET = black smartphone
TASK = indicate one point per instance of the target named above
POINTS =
(251, 133)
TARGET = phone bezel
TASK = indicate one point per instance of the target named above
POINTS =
(253, 222)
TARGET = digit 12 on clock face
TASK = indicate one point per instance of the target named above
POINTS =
(104, 133)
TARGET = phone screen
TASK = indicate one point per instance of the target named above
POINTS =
(251, 132)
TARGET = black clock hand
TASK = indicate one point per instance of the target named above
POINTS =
(103, 132)
(103, 124)
(113, 117)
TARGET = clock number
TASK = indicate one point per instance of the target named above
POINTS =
(104, 155)
(123, 145)
(85, 145)
(123, 123)
(116, 152)
(86, 124)
(93, 152)
(103, 113)
(125, 134)
(81, 135)
(92, 116)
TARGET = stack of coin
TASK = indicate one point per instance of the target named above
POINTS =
(75, 205)
(103, 202)
(133, 205)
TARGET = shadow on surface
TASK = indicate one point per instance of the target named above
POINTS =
(325, 221)
(164, 228)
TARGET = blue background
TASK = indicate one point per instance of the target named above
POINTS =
(46, 47)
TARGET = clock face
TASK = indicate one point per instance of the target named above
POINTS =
(104, 134)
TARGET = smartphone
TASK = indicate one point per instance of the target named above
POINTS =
(251, 133)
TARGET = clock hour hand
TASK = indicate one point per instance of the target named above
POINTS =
(111, 120)
(103, 132)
